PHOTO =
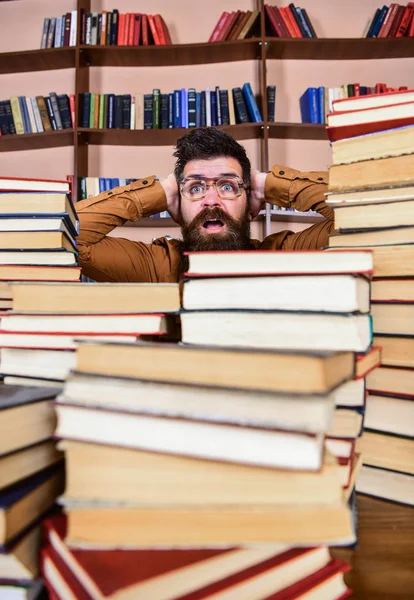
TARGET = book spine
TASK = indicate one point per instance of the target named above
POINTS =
(208, 107)
(184, 108)
(396, 21)
(321, 105)
(386, 26)
(58, 33)
(170, 111)
(51, 33)
(131, 31)
(253, 109)
(31, 115)
(94, 29)
(198, 109)
(160, 30)
(304, 26)
(379, 22)
(108, 28)
(177, 108)
(219, 116)
(43, 40)
(203, 109)
(118, 111)
(224, 107)
(271, 103)
(147, 111)
(192, 113)
(9, 116)
(64, 110)
(240, 106)
(51, 113)
(405, 21)
(126, 111)
(144, 30)
(55, 106)
(153, 29)
(25, 115)
(164, 111)
(73, 28)
(137, 30)
(4, 122)
(66, 35)
(17, 115)
(295, 17)
(44, 115)
(308, 22)
(114, 27)
(219, 26)
(133, 113)
(121, 29)
(372, 24)
(213, 104)
(156, 109)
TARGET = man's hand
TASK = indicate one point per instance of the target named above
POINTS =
(173, 201)
(257, 192)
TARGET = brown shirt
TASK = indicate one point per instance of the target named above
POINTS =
(106, 258)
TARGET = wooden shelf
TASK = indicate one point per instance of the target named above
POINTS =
(176, 54)
(36, 141)
(158, 137)
(297, 131)
(37, 60)
(340, 49)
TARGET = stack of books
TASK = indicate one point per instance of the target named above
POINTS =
(236, 25)
(31, 478)
(59, 32)
(39, 336)
(371, 190)
(288, 22)
(392, 21)
(38, 227)
(36, 114)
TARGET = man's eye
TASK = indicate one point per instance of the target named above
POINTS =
(196, 189)
(228, 187)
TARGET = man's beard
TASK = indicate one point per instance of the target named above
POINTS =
(236, 235)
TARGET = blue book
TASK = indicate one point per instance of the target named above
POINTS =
(271, 102)
(114, 182)
(111, 111)
(305, 26)
(374, 20)
(240, 108)
(170, 111)
(184, 108)
(62, 31)
(379, 22)
(164, 111)
(192, 108)
(198, 109)
(102, 187)
(213, 104)
(224, 107)
(219, 118)
(107, 183)
(147, 111)
(25, 114)
(203, 109)
(309, 108)
(321, 105)
(252, 108)
(177, 108)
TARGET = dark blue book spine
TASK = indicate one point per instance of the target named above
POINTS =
(107, 183)
(203, 109)
(271, 103)
(82, 186)
(184, 108)
(118, 111)
(147, 111)
(50, 112)
(25, 115)
(240, 107)
(379, 22)
(164, 111)
(86, 106)
(4, 122)
(297, 20)
(126, 111)
(224, 107)
(177, 108)
(198, 109)
(309, 106)
(253, 109)
(64, 109)
(62, 30)
(304, 26)
(372, 25)
(114, 27)
(192, 109)
(213, 103)
(170, 111)
(321, 105)
(9, 114)
(101, 185)
(218, 104)
(111, 111)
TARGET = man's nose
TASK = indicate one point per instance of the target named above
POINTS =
(211, 198)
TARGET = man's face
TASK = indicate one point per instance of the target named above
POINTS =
(212, 222)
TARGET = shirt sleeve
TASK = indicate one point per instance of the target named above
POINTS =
(302, 191)
(105, 258)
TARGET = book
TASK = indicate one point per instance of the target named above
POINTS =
(405, 192)
(373, 237)
(336, 133)
(43, 364)
(41, 257)
(305, 412)
(110, 474)
(393, 318)
(20, 204)
(368, 361)
(34, 240)
(27, 461)
(278, 263)
(392, 381)
(371, 115)
(290, 293)
(277, 330)
(388, 99)
(347, 423)
(321, 372)
(19, 560)
(366, 216)
(39, 224)
(253, 109)
(381, 144)
(370, 174)
(389, 485)
(276, 22)
(96, 297)
(19, 590)
(391, 261)
(390, 290)
(309, 106)
(23, 503)
(350, 393)
(240, 107)
(271, 102)
(206, 527)
(33, 185)
(387, 451)
(27, 416)
(251, 26)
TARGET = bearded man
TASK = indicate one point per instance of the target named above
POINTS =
(213, 195)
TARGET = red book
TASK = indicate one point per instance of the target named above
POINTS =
(276, 11)
(153, 29)
(386, 26)
(26, 184)
(219, 25)
(186, 574)
(127, 28)
(166, 31)
(357, 89)
(121, 29)
(290, 22)
(396, 22)
(160, 30)
(341, 132)
(405, 21)
(290, 11)
(223, 33)
(145, 32)
(72, 108)
(66, 36)
(411, 30)
(276, 22)
(137, 30)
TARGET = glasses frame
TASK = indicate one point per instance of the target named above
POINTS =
(240, 183)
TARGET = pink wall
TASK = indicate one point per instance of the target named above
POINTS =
(189, 21)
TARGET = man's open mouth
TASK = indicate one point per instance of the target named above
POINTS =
(213, 224)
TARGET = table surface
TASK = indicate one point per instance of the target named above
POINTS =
(383, 563)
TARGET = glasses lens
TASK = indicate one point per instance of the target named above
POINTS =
(227, 188)
(193, 190)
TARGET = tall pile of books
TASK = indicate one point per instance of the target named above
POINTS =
(371, 189)
(31, 478)
(209, 464)
(39, 336)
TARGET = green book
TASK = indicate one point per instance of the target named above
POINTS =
(92, 111)
(101, 111)
(156, 109)
(350, 90)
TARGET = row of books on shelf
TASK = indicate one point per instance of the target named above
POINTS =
(36, 114)
(317, 102)
(181, 108)
(59, 32)
(396, 20)
(112, 28)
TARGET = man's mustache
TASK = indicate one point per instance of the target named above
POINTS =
(214, 213)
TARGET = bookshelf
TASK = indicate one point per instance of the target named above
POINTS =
(267, 55)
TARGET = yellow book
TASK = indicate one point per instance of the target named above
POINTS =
(17, 115)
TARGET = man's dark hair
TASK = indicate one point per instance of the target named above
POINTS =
(204, 143)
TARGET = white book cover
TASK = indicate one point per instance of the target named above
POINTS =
(31, 114)
(208, 108)
(73, 27)
(58, 33)
(232, 113)
(36, 112)
(139, 111)
(132, 119)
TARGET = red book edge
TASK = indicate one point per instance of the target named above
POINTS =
(340, 132)
(411, 30)
(121, 29)
(385, 27)
(153, 28)
(276, 11)
(396, 21)
(144, 26)
(363, 110)
(219, 25)
(288, 20)
(273, 21)
(65, 573)
(137, 29)
(228, 24)
(405, 21)
(160, 30)
(293, 21)
(129, 32)
(387, 393)
(166, 31)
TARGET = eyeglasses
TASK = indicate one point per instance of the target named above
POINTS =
(226, 188)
